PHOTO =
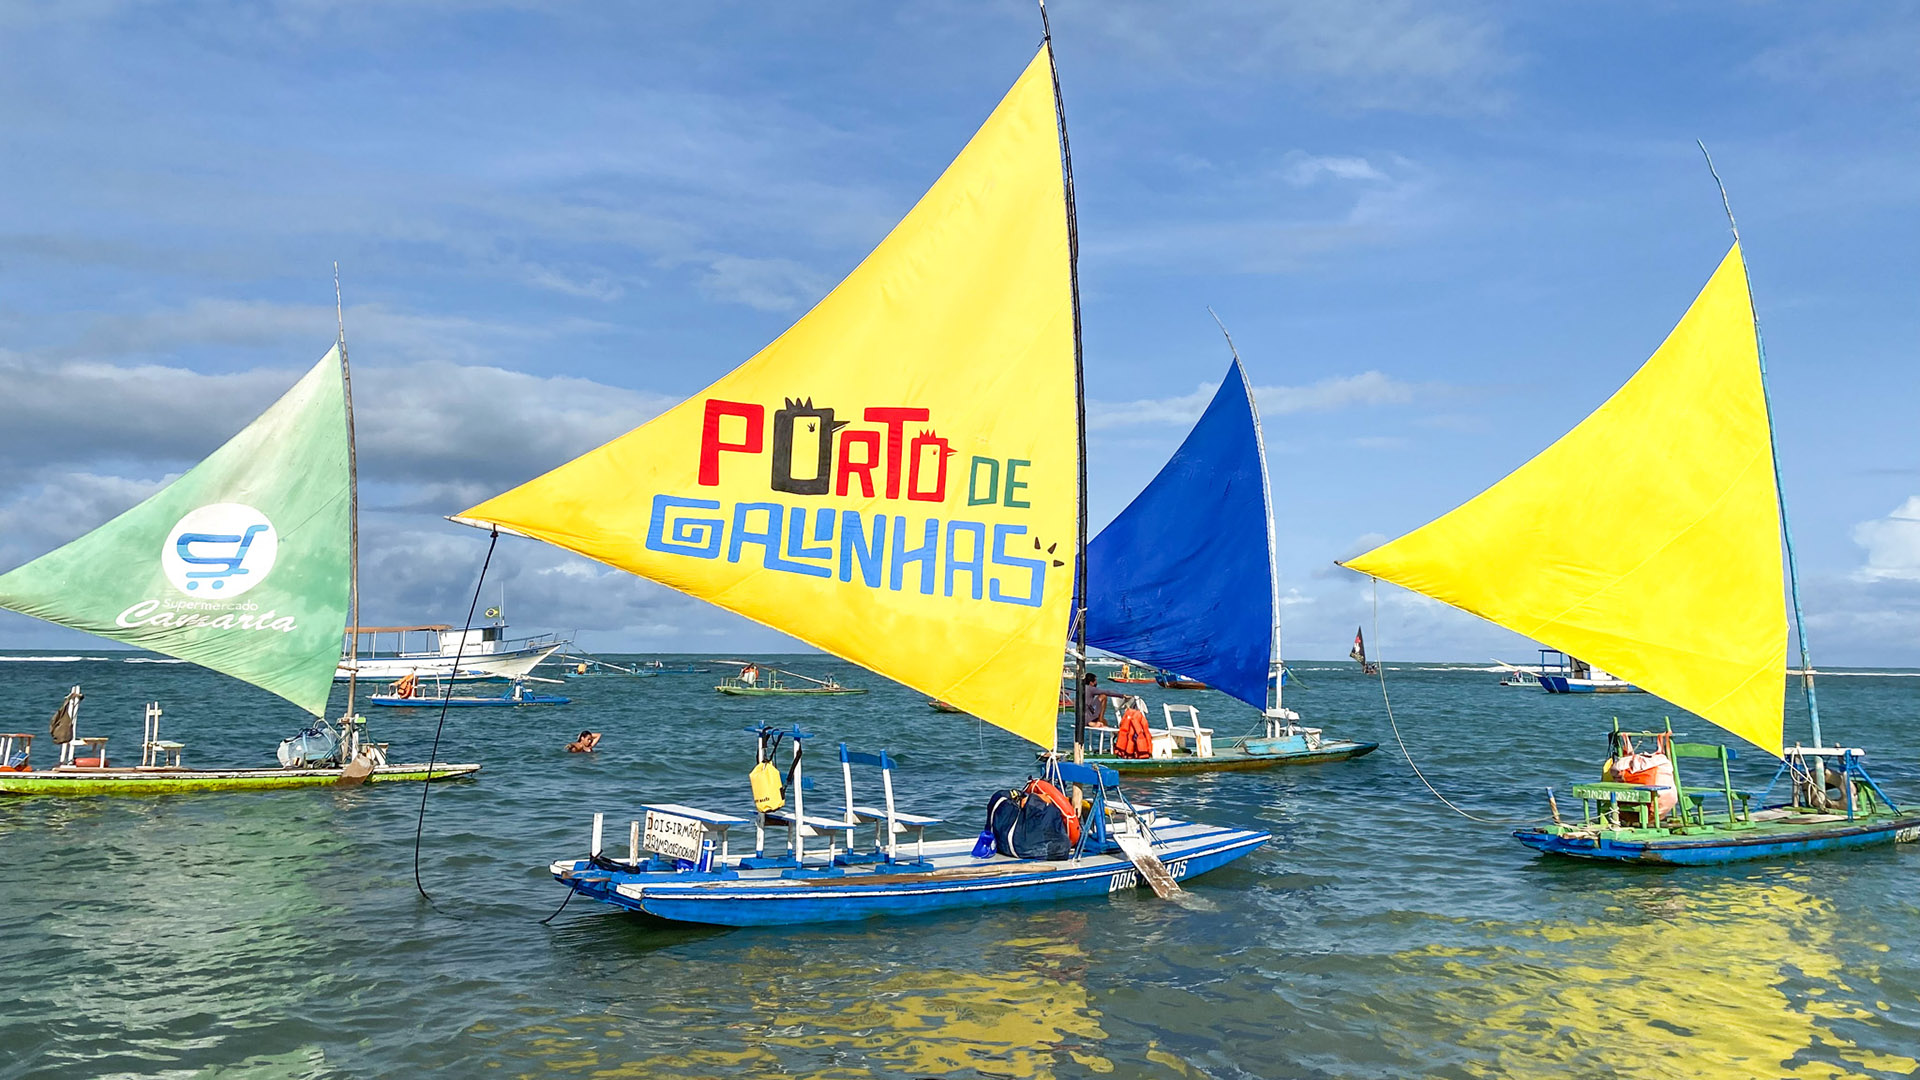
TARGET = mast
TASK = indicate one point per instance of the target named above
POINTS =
(1080, 405)
(1277, 669)
(1779, 488)
(353, 511)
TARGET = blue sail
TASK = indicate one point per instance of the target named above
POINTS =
(1183, 578)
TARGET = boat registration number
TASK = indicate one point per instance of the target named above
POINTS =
(674, 836)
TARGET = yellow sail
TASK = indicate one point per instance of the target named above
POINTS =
(894, 479)
(1647, 540)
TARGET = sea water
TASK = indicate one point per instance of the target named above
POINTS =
(1381, 934)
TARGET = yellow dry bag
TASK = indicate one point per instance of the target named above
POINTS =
(768, 792)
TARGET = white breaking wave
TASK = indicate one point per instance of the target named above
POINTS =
(48, 659)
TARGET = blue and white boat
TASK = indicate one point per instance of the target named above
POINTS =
(900, 481)
(680, 862)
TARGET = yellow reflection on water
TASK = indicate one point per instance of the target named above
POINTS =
(1726, 979)
(778, 1009)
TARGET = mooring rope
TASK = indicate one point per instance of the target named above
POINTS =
(1380, 670)
(445, 698)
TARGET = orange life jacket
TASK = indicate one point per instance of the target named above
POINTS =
(1133, 740)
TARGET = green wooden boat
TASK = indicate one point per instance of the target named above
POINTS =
(246, 565)
(750, 684)
(140, 781)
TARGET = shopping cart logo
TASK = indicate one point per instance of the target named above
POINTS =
(220, 551)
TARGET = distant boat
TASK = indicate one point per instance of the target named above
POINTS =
(411, 694)
(430, 650)
(1171, 681)
(1148, 677)
(940, 706)
(756, 681)
(1666, 566)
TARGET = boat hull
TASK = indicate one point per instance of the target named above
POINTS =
(806, 691)
(1561, 684)
(183, 781)
(431, 667)
(1760, 840)
(391, 701)
(1236, 758)
(774, 897)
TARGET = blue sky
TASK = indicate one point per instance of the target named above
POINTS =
(1441, 234)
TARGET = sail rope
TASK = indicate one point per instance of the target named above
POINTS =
(1380, 670)
(446, 697)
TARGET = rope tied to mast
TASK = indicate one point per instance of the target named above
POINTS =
(446, 697)
(1380, 671)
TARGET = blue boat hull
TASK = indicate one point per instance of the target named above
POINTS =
(784, 898)
(1683, 850)
(465, 702)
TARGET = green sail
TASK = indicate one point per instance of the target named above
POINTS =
(241, 565)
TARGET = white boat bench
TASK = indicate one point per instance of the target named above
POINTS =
(1167, 741)
(888, 822)
(155, 752)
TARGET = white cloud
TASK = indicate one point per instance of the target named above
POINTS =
(1327, 395)
(1303, 169)
(1892, 543)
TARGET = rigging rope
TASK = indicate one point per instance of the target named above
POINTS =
(1380, 669)
(445, 698)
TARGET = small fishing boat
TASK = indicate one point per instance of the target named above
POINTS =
(408, 693)
(660, 667)
(1126, 675)
(1584, 678)
(246, 565)
(580, 667)
(756, 681)
(1183, 578)
(940, 706)
(1678, 562)
(932, 399)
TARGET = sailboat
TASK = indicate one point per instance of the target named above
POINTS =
(896, 480)
(1669, 574)
(757, 681)
(1183, 579)
(245, 565)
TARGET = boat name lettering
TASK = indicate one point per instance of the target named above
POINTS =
(674, 836)
(889, 551)
(151, 613)
(1124, 880)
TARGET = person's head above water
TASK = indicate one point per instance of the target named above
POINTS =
(584, 734)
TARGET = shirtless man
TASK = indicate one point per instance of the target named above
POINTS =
(585, 743)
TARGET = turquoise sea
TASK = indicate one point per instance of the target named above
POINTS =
(1380, 935)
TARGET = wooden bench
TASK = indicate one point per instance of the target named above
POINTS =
(1613, 794)
(7, 754)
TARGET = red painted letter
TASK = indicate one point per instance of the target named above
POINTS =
(895, 419)
(863, 467)
(711, 445)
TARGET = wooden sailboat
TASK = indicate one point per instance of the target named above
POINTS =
(1671, 578)
(1184, 579)
(245, 565)
(898, 479)
(757, 681)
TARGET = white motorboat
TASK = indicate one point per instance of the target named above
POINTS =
(432, 651)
